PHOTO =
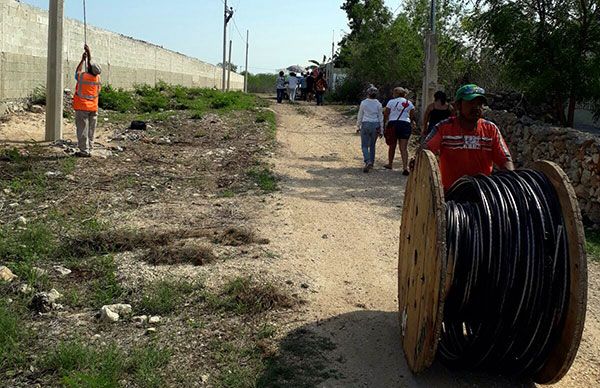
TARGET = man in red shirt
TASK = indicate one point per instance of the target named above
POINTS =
(468, 144)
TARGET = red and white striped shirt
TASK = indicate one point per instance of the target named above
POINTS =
(467, 152)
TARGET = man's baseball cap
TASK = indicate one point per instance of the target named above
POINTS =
(95, 69)
(469, 92)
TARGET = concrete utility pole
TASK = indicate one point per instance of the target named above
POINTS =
(246, 72)
(227, 15)
(430, 74)
(224, 42)
(54, 76)
(229, 67)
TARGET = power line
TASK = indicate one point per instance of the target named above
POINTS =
(238, 31)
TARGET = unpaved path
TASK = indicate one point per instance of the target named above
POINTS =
(337, 228)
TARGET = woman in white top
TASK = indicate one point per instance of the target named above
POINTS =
(399, 115)
(370, 123)
(292, 85)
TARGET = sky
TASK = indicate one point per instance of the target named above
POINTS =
(282, 33)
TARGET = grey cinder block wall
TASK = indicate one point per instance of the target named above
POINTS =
(125, 61)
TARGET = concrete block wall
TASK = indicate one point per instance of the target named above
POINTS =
(125, 61)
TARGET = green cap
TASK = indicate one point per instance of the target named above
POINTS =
(469, 92)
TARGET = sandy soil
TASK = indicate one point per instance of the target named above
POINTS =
(338, 228)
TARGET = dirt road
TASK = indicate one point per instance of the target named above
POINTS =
(337, 228)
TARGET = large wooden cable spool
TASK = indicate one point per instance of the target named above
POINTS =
(424, 275)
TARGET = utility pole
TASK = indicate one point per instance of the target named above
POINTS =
(54, 79)
(227, 15)
(430, 74)
(246, 72)
(229, 67)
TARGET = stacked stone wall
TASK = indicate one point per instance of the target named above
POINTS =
(578, 153)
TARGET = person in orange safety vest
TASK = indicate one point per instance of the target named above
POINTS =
(85, 102)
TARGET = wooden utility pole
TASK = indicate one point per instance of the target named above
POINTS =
(430, 74)
(246, 72)
(229, 67)
(54, 76)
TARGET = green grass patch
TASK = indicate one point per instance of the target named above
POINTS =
(239, 363)
(12, 334)
(243, 295)
(301, 362)
(164, 297)
(105, 286)
(264, 178)
(79, 365)
(592, 244)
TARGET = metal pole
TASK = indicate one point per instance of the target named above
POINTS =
(229, 67)
(224, 43)
(246, 73)
(54, 76)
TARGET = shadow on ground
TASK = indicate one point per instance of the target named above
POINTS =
(360, 349)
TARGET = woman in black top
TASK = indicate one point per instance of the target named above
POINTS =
(437, 111)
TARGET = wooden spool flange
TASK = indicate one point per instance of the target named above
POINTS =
(421, 263)
(562, 356)
(424, 277)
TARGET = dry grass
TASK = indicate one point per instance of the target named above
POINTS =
(235, 236)
(181, 253)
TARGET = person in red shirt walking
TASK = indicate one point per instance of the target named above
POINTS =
(467, 143)
(85, 102)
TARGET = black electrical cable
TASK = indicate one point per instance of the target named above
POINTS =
(508, 253)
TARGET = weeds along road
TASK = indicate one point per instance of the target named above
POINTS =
(338, 228)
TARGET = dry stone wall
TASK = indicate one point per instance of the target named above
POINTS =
(578, 153)
(125, 61)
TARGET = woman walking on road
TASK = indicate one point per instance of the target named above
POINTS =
(292, 86)
(438, 110)
(280, 86)
(399, 116)
(370, 124)
(320, 88)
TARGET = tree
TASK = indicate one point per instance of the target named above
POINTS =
(229, 66)
(550, 49)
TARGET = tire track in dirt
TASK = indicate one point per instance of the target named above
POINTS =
(337, 229)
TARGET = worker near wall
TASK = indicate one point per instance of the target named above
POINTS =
(85, 102)
(467, 143)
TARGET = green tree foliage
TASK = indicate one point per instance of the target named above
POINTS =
(261, 83)
(388, 51)
(549, 49)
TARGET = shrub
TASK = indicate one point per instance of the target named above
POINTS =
(38, 96)
(116, 99)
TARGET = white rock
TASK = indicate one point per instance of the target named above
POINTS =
(25, 289)
(37, 109)
(14, 204)
(120, 308)
(154, 320)
(22, 220)
(62, 270)
(7, 191)
(107, 315)
(150, 330)
(53, 296)
(6, 274)
(52, 174)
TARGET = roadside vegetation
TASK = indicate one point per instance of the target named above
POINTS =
(143, 226)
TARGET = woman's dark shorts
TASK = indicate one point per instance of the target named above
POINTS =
(402, 129)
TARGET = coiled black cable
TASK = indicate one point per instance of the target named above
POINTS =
(509, 256)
